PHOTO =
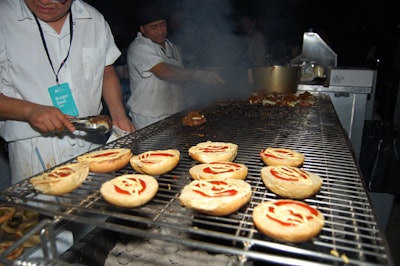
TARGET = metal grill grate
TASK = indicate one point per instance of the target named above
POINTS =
(350, 226)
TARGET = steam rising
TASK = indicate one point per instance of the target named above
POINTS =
(207, 38)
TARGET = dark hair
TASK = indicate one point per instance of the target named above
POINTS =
(151, 11)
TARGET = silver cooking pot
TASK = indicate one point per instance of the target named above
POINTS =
(279, 79)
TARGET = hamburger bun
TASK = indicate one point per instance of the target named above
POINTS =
(288, 220)
(219, 170)
(13, 255)
(33, 240)
(6, 213)
(281, 156)
(207, 152)
(108, 160)
(62, 179)
(291, 182)
(131, 190)
(216, 197)
(155, 162)
(21, 219)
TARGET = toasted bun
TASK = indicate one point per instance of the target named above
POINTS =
(6, 213)
(62, 179)
(288, 220)
(105, 161)
(33, 240)
(155, 162)
(280, 156)
(15, 254)
(207, 152)
(21, 219)
(219, 170)
(216, 197)
(130, 190)
(290, 182)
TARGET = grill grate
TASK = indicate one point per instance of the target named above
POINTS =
(350, 226)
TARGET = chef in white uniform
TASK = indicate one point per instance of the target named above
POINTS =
(156, 71)
(55, 62)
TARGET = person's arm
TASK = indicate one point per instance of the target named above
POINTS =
(43, 118)
(172, 73)
(112, 94)
(169, 72)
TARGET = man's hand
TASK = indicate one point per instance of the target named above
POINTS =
(124, 123)
(49, 119)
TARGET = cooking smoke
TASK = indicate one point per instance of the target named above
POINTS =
(205, 31)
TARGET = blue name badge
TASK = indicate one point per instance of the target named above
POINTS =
(62, 98)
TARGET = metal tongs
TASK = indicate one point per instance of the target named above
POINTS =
(97, 124)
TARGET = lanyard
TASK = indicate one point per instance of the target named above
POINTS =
(45, 45)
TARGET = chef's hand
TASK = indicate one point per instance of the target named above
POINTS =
(208, 77)
(124, 123)
(49, 119)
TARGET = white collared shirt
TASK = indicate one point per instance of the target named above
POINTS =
(151, 96)
(25, 71)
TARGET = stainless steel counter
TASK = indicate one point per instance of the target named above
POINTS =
(350, 103)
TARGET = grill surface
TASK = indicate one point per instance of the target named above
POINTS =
(350, 226)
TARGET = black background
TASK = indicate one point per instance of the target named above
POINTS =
(362, 33)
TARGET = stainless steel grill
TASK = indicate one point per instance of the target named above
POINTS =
(350, 228)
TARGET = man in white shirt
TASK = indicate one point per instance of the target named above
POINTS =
(156, 71)
(255, 42)
(56, 61)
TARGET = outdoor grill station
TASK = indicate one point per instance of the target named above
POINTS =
(328, 133)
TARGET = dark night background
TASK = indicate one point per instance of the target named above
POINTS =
(362, 33)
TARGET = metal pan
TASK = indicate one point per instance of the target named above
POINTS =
(279, 79)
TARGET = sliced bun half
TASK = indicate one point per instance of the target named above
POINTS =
(219, 170)
(288, 220)
(130, 190)
(209, 151)
(6, 213)
(108, 160)
(216, 197)
(62, 179)
(156, 162)
(13, 255)
(282, 156)
(291, 182)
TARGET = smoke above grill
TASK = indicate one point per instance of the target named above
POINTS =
(205, 31)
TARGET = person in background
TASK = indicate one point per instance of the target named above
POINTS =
(56, 61)
(156, 71)
(255, 41)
